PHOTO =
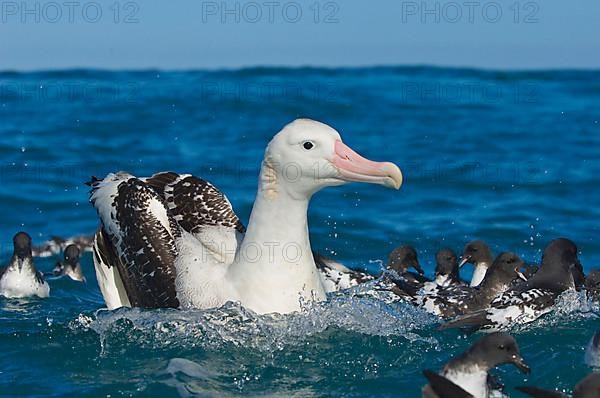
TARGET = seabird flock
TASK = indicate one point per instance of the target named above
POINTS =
(174, 240)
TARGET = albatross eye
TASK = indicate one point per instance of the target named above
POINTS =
(308, 145)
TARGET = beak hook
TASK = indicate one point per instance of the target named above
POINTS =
(520, 275)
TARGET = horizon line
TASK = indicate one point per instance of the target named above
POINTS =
(300, 67)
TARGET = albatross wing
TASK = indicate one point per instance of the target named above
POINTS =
(164, 240)
(202, 210)
(136, 240)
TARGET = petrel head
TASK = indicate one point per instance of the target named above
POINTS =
(72, 254)
(446, 263)
(476, 251)
(497, 349)
(404, 257)
(69, 265)
(22, 245)
(560, 264)
(505, 269)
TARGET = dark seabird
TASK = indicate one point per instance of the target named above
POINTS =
(70, 266)
(447, 303)
(589, 387)
(469, 370)
(592, 351)
(446, 268)
(400, 260)
(444, 388)
(529, 300)
(478, 253)
(446, 274)
(20, 278)
(403, 258)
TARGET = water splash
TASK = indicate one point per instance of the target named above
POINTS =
(362, 310)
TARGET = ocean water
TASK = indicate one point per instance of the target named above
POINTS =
(509, 157)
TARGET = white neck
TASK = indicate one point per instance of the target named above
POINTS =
(274, 267)
(479, 273)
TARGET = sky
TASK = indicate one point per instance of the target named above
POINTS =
(193, 34)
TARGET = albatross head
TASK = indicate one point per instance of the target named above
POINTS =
(308, 155)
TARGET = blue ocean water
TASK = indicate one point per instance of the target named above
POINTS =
(508, 157)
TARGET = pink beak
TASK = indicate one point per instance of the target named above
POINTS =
(353, 167)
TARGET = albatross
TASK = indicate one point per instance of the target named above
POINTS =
(174, 240)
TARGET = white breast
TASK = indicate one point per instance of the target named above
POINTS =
(474, 381)
(16, 284)
(479, 274)
(200, 280)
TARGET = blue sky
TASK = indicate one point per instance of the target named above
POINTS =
(186, 34)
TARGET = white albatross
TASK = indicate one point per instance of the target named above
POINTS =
(174, 240)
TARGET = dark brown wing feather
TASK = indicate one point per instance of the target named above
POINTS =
(194, 202)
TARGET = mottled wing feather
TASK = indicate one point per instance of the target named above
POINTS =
(537, 299)
(445, 301)
(509, 307)
(336, 277)
(142, 237)
(194, 202)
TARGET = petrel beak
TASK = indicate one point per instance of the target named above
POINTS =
(464, 260)
(520, 275)
(20, 264)
(353, 167)
(519, 362)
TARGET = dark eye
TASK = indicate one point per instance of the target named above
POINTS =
(308, 145)
(501, 346)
